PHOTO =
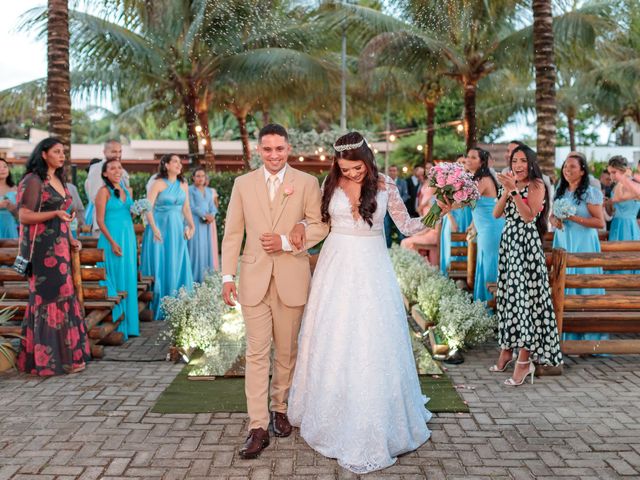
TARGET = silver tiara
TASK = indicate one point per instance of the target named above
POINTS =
(349, 146)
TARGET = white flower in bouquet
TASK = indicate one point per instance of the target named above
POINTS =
(452, 184)
(140, 207)
(563, 208)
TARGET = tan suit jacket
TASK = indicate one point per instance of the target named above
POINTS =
(251, 210)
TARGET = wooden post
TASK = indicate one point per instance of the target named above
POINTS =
(472, 254)
(77, 279)
(558, 279)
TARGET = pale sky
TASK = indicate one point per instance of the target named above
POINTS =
(23, 58)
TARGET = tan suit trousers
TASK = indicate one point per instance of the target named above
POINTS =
(269, 319)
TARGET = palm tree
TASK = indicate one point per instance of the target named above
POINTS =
(58, 81)
(176, 50)
(545, 68)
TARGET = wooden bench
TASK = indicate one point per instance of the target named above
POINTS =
(617, 312)
(96, 304)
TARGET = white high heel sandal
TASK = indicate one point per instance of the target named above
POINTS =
(532, 369)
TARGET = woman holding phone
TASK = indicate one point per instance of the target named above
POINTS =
(55, 337)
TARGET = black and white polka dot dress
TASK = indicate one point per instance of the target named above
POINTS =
(523, 299)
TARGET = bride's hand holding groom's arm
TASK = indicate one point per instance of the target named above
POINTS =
(297, 236)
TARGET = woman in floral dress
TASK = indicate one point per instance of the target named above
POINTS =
(55, 337)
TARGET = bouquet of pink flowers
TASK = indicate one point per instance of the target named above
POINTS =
(452, 184)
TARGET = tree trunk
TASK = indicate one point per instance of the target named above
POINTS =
(571, 125)
(203, 117)
(544, 61)
(189, 104)
(58, 80)
(431, 119)
(241, 116)
(266, 117)
(470, 88)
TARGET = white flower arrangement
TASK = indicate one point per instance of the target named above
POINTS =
(411, 271)
(430, 294)
(463, 322)
(459, 320)
(194, 318)
(563, 208)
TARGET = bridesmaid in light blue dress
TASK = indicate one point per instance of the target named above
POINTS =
(488, 228)
(165, 255)
(626, 205)
(579, 233)
(203, 247)
(118, 240)
(8, 204)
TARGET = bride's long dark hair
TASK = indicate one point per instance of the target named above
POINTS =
(368, 203)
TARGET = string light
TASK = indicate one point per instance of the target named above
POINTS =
(392, 138)
(198, 128)
(204, 141)
(460, 128)
(322, 158)
(420, 148)
(405, 169)
(301, 159)
(375, 151)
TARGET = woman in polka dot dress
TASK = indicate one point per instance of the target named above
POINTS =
(524, 310)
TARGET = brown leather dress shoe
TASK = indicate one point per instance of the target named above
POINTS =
(280, 424)
(257, 441)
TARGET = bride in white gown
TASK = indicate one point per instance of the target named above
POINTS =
(355, 394)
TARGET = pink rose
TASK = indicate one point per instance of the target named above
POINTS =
(61, 248)
(288, 190)
(38, 300)
(77, 355)
(67, 289)
(55, 316)
(45, 196)
(460, 196)
(63, 268)
(63, 227)
(72, 339)
(41, 355)
(50, 262)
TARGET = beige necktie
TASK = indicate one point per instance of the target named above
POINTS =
(273, 183)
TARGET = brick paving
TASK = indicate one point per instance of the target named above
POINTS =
(96, 425)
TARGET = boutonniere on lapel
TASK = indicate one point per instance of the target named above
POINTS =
(287, 191)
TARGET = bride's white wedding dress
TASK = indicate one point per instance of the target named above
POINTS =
(355, 393)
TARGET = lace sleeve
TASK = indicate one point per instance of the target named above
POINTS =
(398, 211)
(29, 192)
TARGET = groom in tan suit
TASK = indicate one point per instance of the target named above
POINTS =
(267, 204)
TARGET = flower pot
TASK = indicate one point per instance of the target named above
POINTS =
(437, 347)
(5, 363)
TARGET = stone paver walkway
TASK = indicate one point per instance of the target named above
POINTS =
(96, 425)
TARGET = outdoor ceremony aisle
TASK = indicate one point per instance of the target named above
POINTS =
(97, 425)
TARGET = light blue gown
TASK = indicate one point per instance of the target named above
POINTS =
(575, 238)
(8, 224)
(167, 261)
(488, 241)
(122, 272)
(624, 225)
(202, 244)
(463, 219)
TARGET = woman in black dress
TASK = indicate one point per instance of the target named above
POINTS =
(55, 337)
(524, 310)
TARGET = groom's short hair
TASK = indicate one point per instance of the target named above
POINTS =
(273, 129)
